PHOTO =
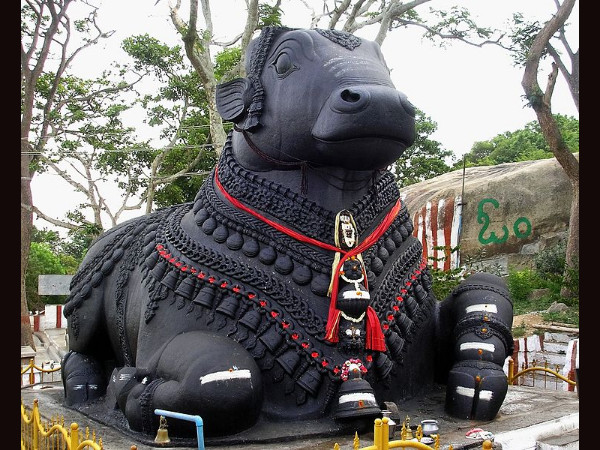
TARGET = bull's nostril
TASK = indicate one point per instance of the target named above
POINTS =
(349, 96)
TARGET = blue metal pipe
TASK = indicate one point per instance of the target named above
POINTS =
(196, 419)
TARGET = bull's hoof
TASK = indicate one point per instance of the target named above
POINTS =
(82, 378)
(475, 390)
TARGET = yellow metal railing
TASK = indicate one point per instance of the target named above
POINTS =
(31, 368)
(535, 368)
(381, 433)
(39, 435)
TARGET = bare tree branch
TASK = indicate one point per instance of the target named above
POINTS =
(53, 221)
(251, 24)
(337, 13)
(497, 41)
(551, 83)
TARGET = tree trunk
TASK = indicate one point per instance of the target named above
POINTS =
(572, 256)
(541, 104)
(26, 227)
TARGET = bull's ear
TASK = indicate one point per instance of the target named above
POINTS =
(233, 98)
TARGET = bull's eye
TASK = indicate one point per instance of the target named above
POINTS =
(283, 65)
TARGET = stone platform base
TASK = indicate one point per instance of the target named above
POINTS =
(527, 415)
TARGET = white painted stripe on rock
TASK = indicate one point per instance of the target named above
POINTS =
(456, 230)
(225, 375)
(429, 233)
(441, 238)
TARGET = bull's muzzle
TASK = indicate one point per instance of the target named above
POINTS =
(366, 111)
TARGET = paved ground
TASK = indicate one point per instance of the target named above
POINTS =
(531, 411)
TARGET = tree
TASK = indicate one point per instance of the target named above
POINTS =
(91, 144)
(180, 108)
(540, 101)
(425, 158)
(526, 144)
(46, 31)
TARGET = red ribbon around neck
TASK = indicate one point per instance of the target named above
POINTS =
(375, 340)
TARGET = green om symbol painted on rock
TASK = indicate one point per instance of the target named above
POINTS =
(484, 219)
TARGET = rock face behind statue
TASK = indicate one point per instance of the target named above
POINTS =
(227, 307)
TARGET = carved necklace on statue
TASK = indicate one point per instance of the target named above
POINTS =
(375, 339)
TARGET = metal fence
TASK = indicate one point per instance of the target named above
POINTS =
(381, 439)
(529, 375)
(33, 374)
(37, 434)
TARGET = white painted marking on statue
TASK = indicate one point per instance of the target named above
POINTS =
(357, 294)
(470, 392)
(225, 375)
(485, 307)
(476, 346)
(465, 391)
(358, 396)
(485, 395)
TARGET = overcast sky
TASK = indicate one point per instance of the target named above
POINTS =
(472, 93)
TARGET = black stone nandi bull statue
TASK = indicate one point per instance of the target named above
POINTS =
(291, 289)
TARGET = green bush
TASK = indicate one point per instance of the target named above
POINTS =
(550, 262)
(444, 282)
(521, 283)
(569, 316)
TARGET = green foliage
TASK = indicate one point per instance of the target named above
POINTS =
(526, 144)
(179, 107)
(522, 34)
(457, 23)
(147, 51)
(444, 281)
(42, 261)
(268, 15)
(520, 285)
(569, 316)
(550, 262)
(226, 61)
(51, 254)
(425, 159)
(79, 241)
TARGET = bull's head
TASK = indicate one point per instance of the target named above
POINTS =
(320, 96)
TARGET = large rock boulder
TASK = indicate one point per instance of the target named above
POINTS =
(498, 215)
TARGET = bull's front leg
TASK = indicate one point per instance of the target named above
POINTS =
(477, 318)
(196, 373)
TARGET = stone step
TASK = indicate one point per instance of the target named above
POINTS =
(565, 441)
(559, 337)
